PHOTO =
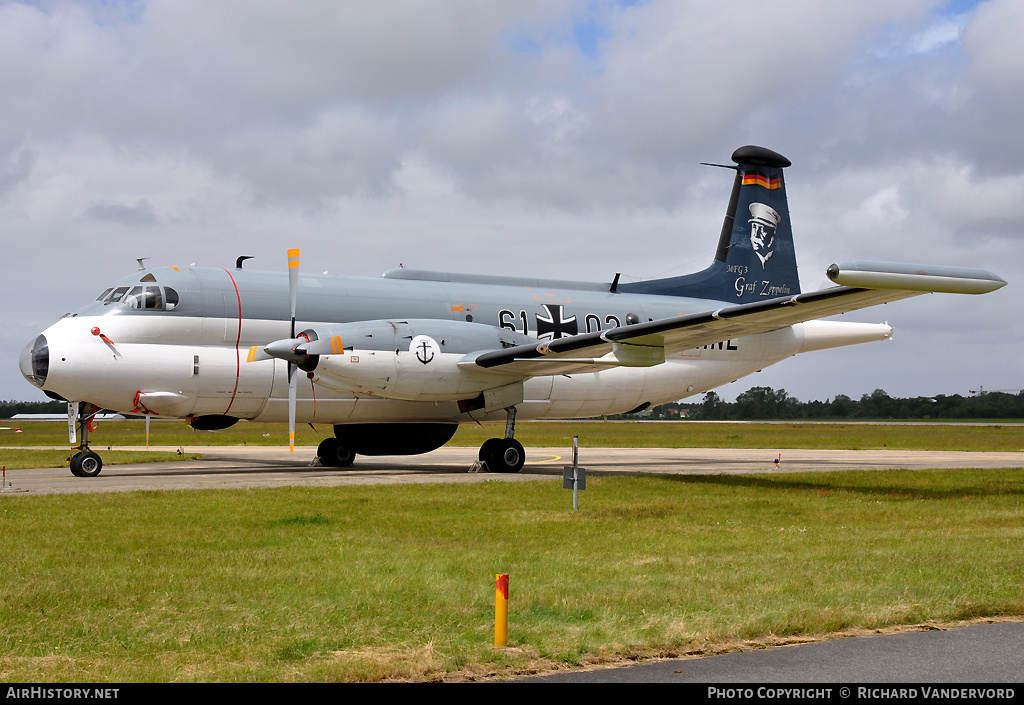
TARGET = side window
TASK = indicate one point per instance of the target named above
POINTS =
(170, 298)
(134, 297)
(153, 298)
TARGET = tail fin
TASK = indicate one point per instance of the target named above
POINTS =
(755, 258)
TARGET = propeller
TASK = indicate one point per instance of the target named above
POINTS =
(293, 293)
(294, 350)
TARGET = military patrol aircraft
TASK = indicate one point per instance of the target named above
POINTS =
(396, 363)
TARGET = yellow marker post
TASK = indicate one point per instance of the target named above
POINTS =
(501, 609)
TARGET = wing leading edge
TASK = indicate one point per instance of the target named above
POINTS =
(864, 284)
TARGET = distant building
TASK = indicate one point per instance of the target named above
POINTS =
(63, 417)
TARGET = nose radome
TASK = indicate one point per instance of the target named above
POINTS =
(34, 361)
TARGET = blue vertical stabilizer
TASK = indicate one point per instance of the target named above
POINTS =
(755, 258)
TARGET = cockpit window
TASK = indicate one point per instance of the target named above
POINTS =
(134, 298)
(154, 298)
(144, 297)
(113, 295)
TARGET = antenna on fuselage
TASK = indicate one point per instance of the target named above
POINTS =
(238, 262)
(140, 260)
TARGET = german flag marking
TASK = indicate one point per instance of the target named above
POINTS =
(762, 181)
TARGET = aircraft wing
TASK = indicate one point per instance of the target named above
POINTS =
(864, 284)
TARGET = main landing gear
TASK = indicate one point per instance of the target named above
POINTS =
(504, 454)
(85, 463)
(496, 454)
(333, 453)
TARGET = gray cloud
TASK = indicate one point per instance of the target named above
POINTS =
(141, 214)
(16, 169)
(483, 136)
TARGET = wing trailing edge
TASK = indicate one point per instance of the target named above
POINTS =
(877, 283)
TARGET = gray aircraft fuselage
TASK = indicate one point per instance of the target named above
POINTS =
(197, 351)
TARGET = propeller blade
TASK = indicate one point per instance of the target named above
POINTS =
(293, 294)
(257, 354)
(325, 346)
(292, 369)
(293, 282)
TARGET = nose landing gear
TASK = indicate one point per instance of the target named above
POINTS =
(84, 463)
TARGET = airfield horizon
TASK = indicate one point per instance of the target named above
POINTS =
(893, 434)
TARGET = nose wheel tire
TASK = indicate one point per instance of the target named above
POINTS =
(86, 464)
(503, 455)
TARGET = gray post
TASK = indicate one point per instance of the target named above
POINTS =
(573, 476)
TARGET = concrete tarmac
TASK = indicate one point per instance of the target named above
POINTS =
(258, 466)
(980, 653)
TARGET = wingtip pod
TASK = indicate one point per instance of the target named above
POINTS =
(914, 277)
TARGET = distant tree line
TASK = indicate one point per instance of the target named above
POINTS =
(10, 408)
(765, 403)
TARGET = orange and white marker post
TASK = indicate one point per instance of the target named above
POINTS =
(501, 609)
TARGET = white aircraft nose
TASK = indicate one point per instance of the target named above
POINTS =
(34, 361)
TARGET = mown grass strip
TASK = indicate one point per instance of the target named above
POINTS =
(915, 436)
(751, 435)
(396, 582)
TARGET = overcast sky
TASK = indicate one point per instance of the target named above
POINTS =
(555, 138)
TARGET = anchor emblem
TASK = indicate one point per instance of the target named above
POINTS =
(424, 348)
(423, 352)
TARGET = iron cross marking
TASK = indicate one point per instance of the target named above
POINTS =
(553, 326)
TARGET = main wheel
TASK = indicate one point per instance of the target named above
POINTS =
(504, 455)
(334, 453)
(86, 464)
(487, 448)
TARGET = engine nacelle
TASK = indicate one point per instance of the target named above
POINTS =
(414, 360)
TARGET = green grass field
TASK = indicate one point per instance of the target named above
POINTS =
(915, 436)
(374, 583)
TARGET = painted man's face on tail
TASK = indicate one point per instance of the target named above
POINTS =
(763, 222)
